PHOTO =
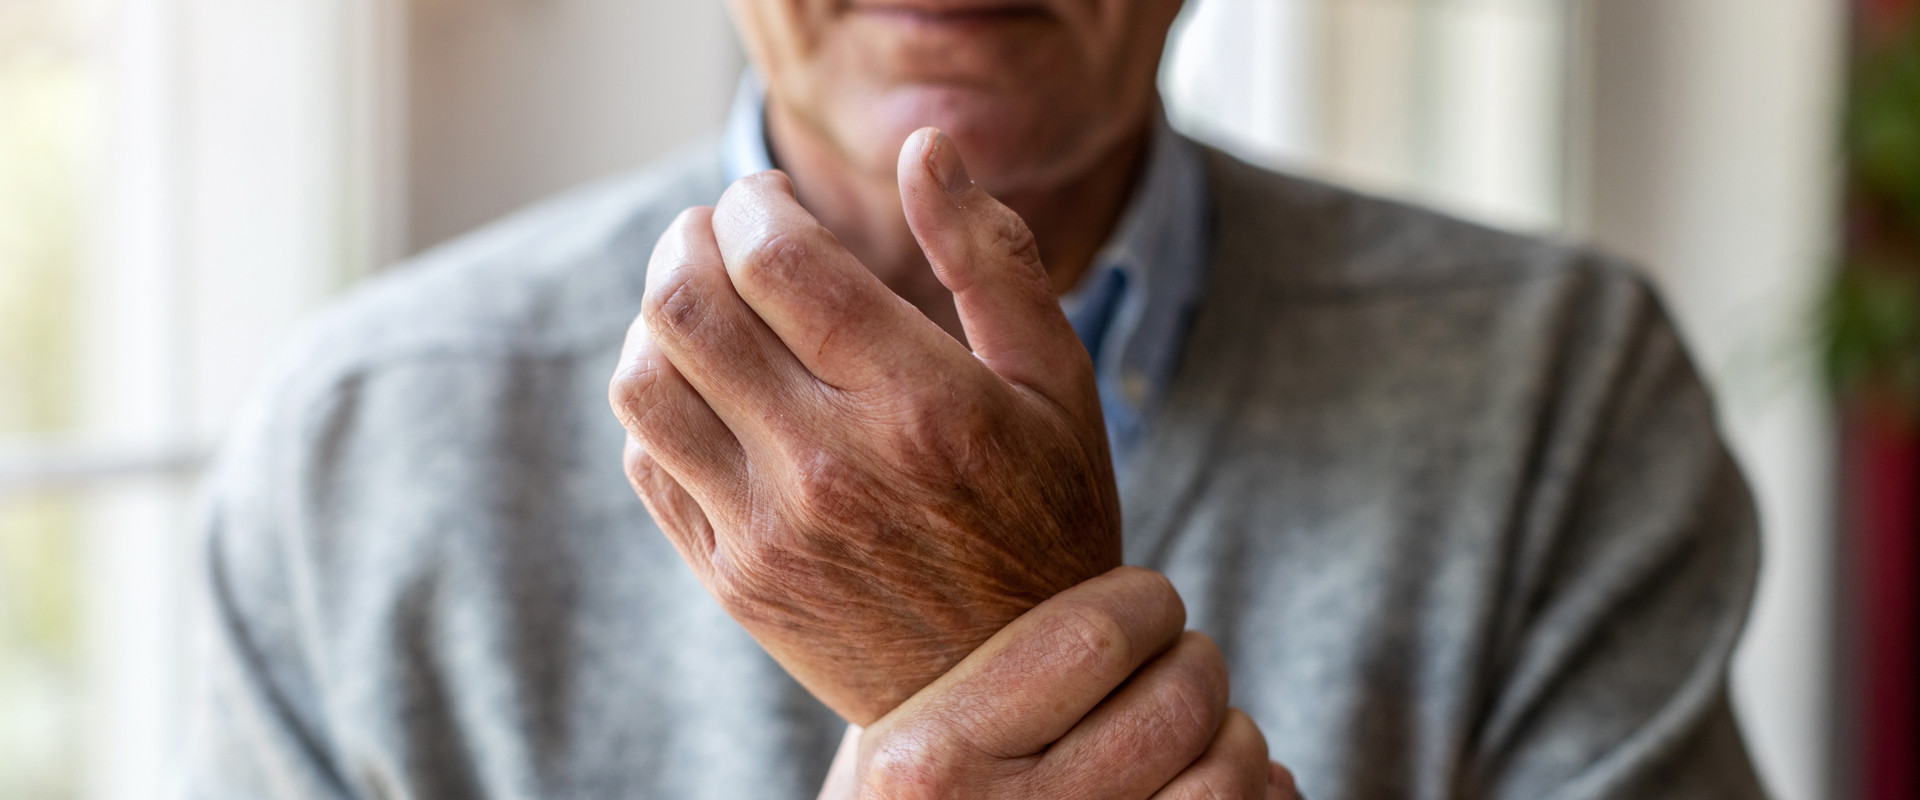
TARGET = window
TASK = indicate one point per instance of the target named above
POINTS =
(167, 213)
(49, 86)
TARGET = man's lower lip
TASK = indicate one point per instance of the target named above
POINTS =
(952, 19)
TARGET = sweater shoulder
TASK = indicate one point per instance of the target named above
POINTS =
(561, 275)
(1299, 235)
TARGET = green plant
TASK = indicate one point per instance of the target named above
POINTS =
(1872, 314)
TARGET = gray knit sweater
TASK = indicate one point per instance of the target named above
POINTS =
(1452, 501)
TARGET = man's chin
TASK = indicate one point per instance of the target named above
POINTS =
(1008, 144)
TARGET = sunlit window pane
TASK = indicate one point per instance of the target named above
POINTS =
(39, 650)
(46, 96)
(48, 100)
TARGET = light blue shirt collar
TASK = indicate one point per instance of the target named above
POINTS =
(1133, 307)
(743, 145)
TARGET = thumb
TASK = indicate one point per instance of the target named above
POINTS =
(985, 254)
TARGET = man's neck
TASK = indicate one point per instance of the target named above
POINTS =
(1071, 219)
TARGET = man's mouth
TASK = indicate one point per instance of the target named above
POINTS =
(951, 13)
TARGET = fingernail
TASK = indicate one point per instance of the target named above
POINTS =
(944, 159)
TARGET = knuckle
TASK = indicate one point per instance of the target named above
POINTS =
(1150, 589)
(744, 198)
(1238, 757)
(948, 436)
(1148, 581)
(1181, 713)
(825, 484)
(1179, 708)
(1207, 665)
(679, 305)
(638, 392)
(757, 184)
(1012, 239)
(910, 766)
(1089, 640)
(778, 260)
(690, 223)
(1249, 744)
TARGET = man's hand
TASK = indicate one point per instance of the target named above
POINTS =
(1058, 705)
(869, 498)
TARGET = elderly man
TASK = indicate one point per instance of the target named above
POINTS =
(1445, 507)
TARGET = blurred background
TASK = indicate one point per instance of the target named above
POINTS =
(181, 181)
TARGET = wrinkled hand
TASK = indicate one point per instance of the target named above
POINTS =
(870, 499)
(1040, 711)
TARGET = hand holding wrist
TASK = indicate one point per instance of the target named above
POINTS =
(1040, 711)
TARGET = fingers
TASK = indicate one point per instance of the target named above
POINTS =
(984, 253)
(1280, 785)
(1035, 679)
(834, 314)
(742, 371)
(1148, 732)
(672, 423)
(680, 518)
(1234, 766)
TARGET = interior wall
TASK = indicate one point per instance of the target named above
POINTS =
(513, 100)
